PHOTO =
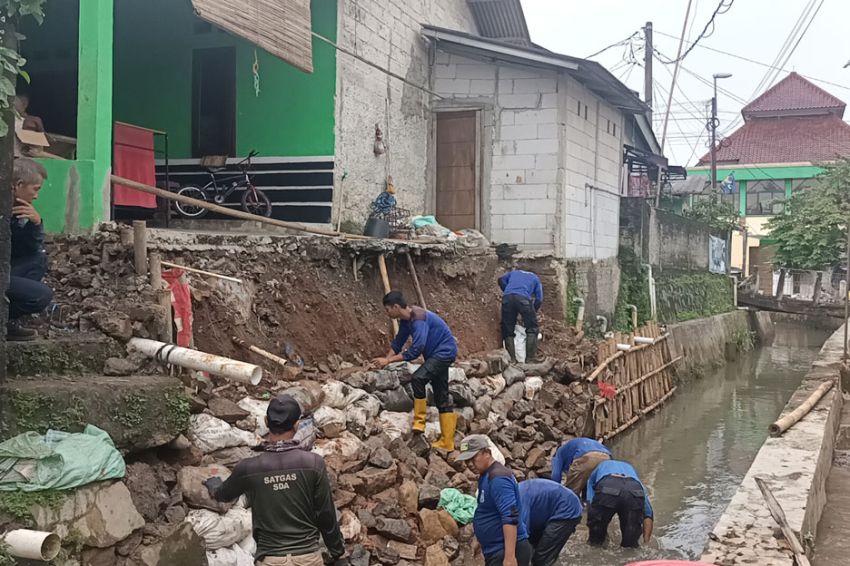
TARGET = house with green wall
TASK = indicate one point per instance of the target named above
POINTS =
(157, 65)
(787, 134)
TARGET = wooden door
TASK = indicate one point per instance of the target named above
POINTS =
(457, 182)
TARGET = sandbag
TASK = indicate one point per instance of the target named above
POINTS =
(346, 446)
(513, 374)
(383, 380)
(309, 394)
(455, 373)
(228, 457)
(231, 556)
(357, 422)
(519, 343)
(533, 385)
(461, 394)
(495, 384)
(219, 531)
(338, 395)
(395, 424)
(329, 421)
(210, 434)
(190, 480)
(396, 400)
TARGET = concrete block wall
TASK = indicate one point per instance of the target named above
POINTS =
(387, 33)
(520, 110)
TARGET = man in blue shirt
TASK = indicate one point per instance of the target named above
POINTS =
(522, 295)
(433, 340)
(550, 513)
(614, 488)
(578, 458)
(500, 532)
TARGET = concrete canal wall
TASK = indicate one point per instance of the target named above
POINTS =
(795, 467)
(706, 342)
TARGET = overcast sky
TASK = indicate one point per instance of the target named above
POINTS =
(755, 29)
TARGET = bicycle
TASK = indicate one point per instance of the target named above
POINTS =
(218, 189)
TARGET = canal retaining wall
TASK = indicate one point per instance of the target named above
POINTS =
(795, 467)
(705, 343)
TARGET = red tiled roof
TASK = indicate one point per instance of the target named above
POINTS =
(790, 139)
(790, 94)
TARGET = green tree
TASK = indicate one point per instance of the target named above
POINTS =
(812, 233)
(716, 213)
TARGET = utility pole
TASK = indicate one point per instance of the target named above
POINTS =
(712, 125)
(647, 68)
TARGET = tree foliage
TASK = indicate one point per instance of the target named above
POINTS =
(716, 213)
(11, 61)
(812, 232)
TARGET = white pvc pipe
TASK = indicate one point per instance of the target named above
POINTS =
(624, 347)
(644, 340)
(201, 361)
(34, 545)
(652, 300)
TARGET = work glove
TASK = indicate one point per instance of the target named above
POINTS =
(213, 485)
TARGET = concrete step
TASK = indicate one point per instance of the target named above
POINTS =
(75, 354)
(138, 412)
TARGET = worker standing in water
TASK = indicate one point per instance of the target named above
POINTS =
(433, 340)
(578, 458)
(551, 513)
(522, 295)
(614, 488)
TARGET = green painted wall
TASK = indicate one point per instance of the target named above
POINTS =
(293, 115)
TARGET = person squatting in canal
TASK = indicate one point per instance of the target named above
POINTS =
(614, 488)
(550, 513)
(432, 339)
(522, 295)
(578, 458)
(289, 493)
(497, 522)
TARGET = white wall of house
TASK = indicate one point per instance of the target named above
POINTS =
(553, 177)
(388, 34)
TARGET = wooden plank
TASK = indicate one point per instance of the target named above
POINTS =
(779, 516)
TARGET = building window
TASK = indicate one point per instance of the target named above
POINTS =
(585, 111)
(614, 133)
(578, 108)
(765, 198)
(731, 198)
(803, 184)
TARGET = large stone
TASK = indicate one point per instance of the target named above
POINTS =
(436, 556)
(375, 480)
(190, 479)
(406, 551)
(359, 556)
(534, 458)
(451, 547)
(182, 546)
(513, 374)
(138, 412)
(148, 490)
(429, 496)
(71, 355)
(226, 410)
(408, 497)
(483, 406)
(431, 528)
(515, 392)
(381, 458)
(120, 366)
(448, 523)
(395, 529)
(388, 556)
(99, 515)
(349, 525)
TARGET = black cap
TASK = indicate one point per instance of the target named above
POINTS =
(283, 412)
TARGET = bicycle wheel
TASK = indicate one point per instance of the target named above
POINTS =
(256, 202)
(190, 210)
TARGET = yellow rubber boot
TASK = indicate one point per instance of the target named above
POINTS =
(420, 409)
(448, 424)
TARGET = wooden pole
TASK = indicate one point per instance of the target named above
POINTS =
(385, 277)
(792, 418)
(412, 268)
(155, 261)
(601, 367)
(260, 352)
(779, 516)
(163, 298)
(140, 246)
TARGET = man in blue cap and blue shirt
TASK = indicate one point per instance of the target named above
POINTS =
(550, 513)
(522, 295)
(578, 458)
(500, 532)
(614, 488)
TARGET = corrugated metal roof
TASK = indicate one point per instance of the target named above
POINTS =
(693, 185)
(500, 19)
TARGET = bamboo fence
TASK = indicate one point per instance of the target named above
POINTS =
(642, 377)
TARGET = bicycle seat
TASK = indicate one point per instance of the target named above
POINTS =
(214, 163)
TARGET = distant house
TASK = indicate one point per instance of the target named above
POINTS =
(788, 131)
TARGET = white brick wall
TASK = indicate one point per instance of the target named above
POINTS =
(388, 33)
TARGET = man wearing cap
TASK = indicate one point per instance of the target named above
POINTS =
(615, 489)
(578, 457)
(500, 532)
(289, 493)
(522, 295)
(433, 340)
(550, 513)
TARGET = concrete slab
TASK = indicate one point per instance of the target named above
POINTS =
(75, 354)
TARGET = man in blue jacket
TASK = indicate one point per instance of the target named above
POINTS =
(614, 488)
(578, 458)
(433, 340)
(550, 513)
(27, 294)
(500, 532)
(522, 295)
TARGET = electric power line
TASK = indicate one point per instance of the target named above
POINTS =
(722, 8)
(621, 42)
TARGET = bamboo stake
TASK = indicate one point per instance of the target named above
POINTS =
(601, 367)
(779, 516)
(140, 246)
(651, 374)
(792, 418)
(163, 297)
(385, 277)
(412, 268)
(259, 351)
(201, 272)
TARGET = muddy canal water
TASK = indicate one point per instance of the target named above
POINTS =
(694, 452)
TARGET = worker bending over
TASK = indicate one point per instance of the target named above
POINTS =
(433, 340)
(614, 488)
(497, 522)
(522, 294)
(578, 458)
(550, 513)
(289, 492)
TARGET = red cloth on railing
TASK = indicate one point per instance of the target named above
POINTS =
(181, 300)
(133, 158)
